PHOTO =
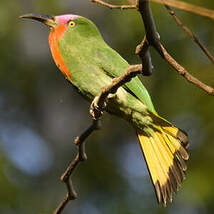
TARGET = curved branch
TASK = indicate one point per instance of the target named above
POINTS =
(80, 156)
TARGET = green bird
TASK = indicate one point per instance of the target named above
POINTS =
(89, 64)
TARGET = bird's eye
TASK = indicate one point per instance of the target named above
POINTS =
(71, 24)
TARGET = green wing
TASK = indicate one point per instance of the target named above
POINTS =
(114, 65)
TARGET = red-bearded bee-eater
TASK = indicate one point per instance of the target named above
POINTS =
(86, 61)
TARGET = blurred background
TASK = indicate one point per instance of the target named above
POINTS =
(40, 115)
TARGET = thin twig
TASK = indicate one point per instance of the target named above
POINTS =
(80, 156)
(201, 11)
(182, 71)
(189, 32)
(62, 205)
(111, 6)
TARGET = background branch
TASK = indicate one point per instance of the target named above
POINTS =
(201, 11)
(182, 71)
(111, 6)
(189, 32)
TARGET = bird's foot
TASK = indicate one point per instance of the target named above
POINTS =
(96, 110)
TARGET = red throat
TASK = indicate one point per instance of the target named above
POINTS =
(54, 36)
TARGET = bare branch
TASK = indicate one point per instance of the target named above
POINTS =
(182, 71)
(189, 32)
(152, 35)
(62, 205)
(111, 6)
(142, 51)
(80, 156)
(201, 11)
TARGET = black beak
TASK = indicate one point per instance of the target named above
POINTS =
(45, 19)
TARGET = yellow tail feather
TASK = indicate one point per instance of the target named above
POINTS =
(165, 152)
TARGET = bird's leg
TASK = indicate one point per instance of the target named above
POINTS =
(96, 110)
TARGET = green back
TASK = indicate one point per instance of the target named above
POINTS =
(87, 55)
(114, 65)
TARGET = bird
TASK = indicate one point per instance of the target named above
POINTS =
(89, 63)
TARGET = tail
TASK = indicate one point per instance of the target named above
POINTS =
(165, 152)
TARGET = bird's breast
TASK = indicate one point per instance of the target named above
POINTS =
(54, 36)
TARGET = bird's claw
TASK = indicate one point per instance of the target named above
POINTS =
(96, 110)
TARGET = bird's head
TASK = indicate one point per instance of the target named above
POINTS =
(76, 26)
(69, 34)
